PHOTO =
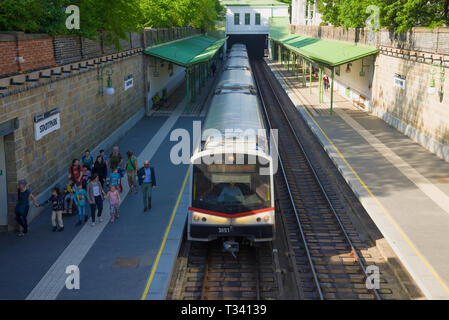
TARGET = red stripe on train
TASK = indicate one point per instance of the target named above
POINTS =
(243, 214)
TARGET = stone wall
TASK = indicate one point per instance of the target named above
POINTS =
(416, 56)
(86, 119)
(36, 50)
(419, 39)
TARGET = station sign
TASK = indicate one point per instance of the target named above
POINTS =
(399, 81)
(46, 123)
(129, 82)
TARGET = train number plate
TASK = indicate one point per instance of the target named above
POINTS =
(224, 229)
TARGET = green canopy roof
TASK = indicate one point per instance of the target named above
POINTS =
(187, 52)
(331, 53)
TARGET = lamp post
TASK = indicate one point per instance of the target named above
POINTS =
(109, 72)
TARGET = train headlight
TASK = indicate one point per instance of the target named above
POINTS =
(266, 218)
(204, 219)
(196, 217)
(258, 219)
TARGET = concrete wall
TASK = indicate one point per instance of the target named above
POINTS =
(416, 56)
(263, 28)
(86, 119)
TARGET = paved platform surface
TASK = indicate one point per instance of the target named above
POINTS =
(403, 187)
(115, 260)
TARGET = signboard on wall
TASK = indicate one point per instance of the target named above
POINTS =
(46, 123)
(399, 81)
(129, 82)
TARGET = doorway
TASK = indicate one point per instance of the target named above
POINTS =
(3, 190)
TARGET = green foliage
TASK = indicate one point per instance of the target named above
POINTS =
(110, 18)
(396, 15)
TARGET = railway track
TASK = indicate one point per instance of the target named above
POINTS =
(212, 274)
(327, 264)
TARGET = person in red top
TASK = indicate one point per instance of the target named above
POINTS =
(326, 82)
(75, 171)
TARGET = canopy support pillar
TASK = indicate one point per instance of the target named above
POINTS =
(332, 90)
(310, 77)
(188, 89)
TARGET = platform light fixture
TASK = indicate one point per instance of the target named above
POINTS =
(109, 72)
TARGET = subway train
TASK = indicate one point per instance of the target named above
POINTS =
(232, 193)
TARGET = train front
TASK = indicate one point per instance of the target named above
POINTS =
(232, 199)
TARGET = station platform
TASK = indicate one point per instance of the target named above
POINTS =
(131, 258)
(403, 187)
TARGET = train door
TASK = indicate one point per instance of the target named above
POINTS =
(3, 192)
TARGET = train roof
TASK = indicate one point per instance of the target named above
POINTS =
(238, 62)
(236, 78)
(234, 111)
(237, 54)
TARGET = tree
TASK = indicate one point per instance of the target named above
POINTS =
(397, 15)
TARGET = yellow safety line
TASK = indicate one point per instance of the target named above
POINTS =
(156, 262)
(378, 203)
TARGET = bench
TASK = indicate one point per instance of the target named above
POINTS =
(360, 102)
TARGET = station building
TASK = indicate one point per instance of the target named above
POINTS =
(305, 13)
(248, 22)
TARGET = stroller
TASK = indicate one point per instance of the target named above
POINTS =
(69, 202)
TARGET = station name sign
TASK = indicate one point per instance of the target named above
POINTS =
(46, 123)
(129, 82)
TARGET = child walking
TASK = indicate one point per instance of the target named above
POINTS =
(115, 179)
(114, 202)
(81, 202)
(57, 201)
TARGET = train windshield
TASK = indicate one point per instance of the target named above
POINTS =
(231, 189)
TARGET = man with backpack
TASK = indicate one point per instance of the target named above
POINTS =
(131, 171)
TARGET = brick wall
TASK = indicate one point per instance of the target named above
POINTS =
(36, 50)
(40, 50)
(419, 39)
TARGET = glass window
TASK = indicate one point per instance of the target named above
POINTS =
(230, 188)
(237, 18)
(247, 18)
(258, 19)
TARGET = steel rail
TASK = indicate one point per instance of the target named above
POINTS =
(306, 245)
(343, 229)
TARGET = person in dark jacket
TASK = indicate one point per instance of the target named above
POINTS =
(57, 201)
(147, 180)
(100, 169)
(23, 206)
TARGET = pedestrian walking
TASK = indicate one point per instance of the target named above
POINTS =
(100, 169)
(85, 177)
(131, 171)
(23, 206)
(326, 82)
(75, 171)
(95, 195)
(57, 201)
(81, 203)
(115, 180)
(114, 203)
(87, 160)
(104, 156)
(115, 159)
(147, 180)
